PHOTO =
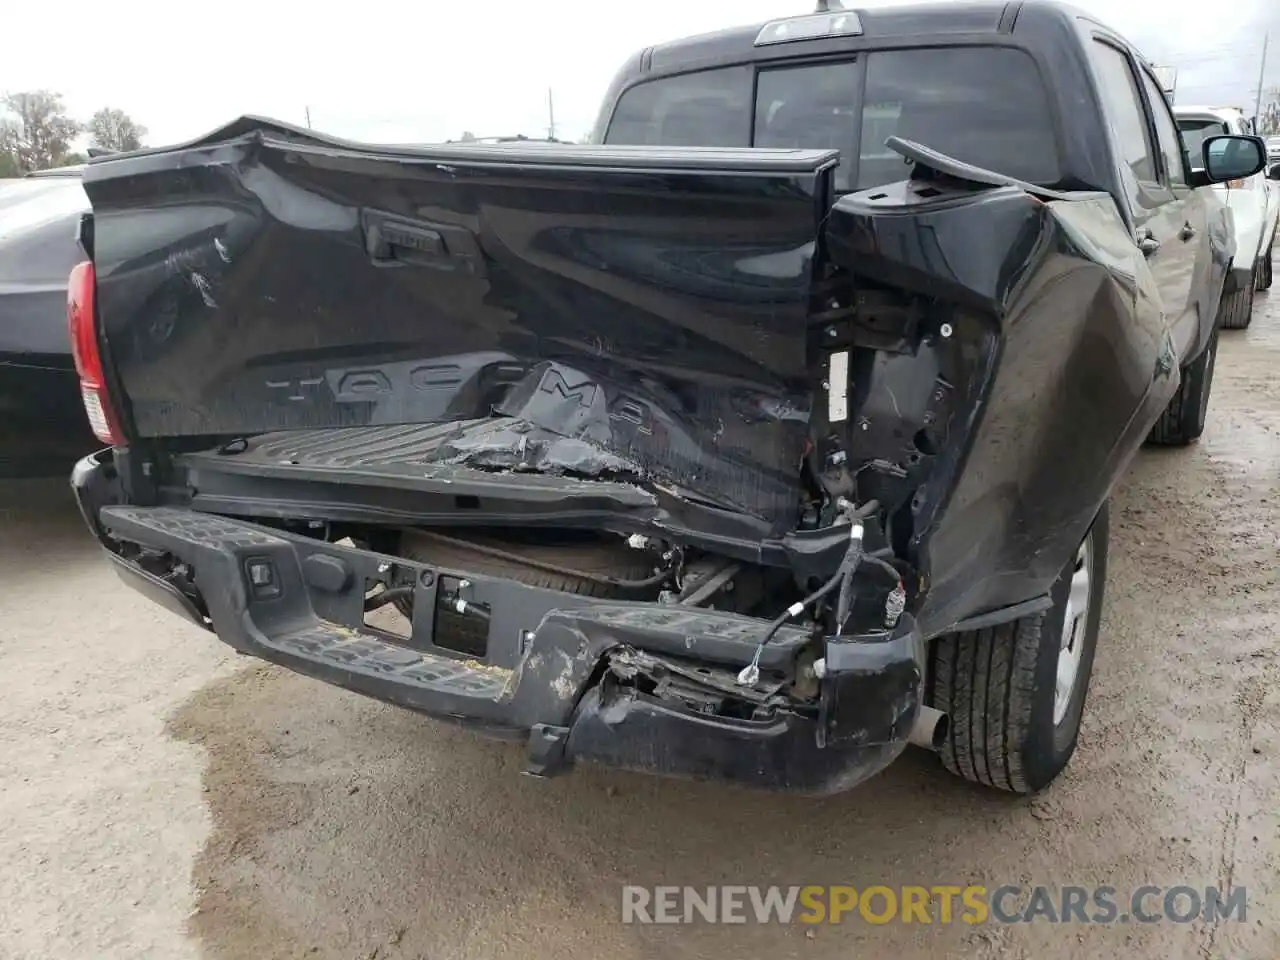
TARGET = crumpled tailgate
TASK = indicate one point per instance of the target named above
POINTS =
(650, 302)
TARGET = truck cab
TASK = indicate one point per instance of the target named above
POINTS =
(1037, 91)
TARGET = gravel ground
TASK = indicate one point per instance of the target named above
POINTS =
(165, 799)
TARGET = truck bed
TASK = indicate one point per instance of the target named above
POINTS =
(411, 474)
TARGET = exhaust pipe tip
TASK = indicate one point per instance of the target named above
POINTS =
(930, 729)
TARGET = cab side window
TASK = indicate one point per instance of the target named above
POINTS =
(1123, 105)
(1166, 132)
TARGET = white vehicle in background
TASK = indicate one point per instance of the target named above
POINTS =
(1255, 208)
(1273, 150)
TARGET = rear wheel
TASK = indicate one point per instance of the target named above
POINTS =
(1183, 419)
(1014, 694)
(1266, 269)
(1236, 309)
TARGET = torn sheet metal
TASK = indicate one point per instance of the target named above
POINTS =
(1007, 431)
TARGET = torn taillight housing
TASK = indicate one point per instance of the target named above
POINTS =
(82, 326)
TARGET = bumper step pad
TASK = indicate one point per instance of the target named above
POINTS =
(367, 654)
(217, 548)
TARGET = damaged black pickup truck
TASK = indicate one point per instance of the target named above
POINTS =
(764, 436)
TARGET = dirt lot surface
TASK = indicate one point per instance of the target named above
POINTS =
(164, 799)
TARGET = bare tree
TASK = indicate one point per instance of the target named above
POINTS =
(35, 131)
(113, 129)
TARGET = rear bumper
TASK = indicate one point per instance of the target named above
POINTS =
(577, 678)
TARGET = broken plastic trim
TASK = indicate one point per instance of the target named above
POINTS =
(928, 160)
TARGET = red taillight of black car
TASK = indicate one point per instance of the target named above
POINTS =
(82, 325)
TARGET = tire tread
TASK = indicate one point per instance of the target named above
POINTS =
(985, 683)
(1181, 422)
(1168, 429)
(1237, 310)
(996, 687)
(1266, 270)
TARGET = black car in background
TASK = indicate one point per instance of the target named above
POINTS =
(42, 422)
(42, 425)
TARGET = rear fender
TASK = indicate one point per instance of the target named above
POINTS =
(1048, 340)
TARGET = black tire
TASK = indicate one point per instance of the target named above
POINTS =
(1266, 269)
(997, 686)
(1183, 419)
(1236, 310)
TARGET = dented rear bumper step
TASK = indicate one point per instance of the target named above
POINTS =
(558, 669)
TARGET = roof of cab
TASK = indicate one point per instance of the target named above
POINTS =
(938, 18)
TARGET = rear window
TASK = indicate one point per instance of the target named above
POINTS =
(1195, 132)
(707, 109)
(983, 105)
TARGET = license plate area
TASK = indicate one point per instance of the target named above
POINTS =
(495, 627)
(433, 612)
(454, 630)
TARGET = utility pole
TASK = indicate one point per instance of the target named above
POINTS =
(308, 112)
(551, 116)
(1262, 76)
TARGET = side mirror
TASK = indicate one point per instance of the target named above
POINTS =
(1233, 157)
(1274, 172)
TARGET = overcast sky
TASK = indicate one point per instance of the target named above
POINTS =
(427, 71)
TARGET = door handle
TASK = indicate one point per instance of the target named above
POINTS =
(1188, 231)
(1148, 245)
(393, 240)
